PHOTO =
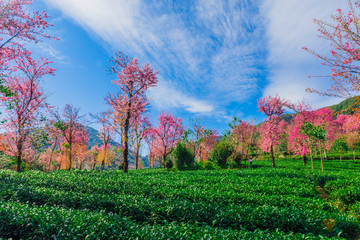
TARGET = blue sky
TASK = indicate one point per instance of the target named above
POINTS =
(215, 57)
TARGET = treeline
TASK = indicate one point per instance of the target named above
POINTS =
(309, 134)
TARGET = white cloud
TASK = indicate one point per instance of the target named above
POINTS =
(152, 34)
(208, 48)
(165, 97)
(289, 27)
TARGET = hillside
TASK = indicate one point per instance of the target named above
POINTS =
(344, 107)
(347, 106)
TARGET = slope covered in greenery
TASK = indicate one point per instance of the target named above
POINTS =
(345, 107)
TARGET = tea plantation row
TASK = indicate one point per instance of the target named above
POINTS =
(289, 202)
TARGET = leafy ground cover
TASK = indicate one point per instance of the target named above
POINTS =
(288, 202)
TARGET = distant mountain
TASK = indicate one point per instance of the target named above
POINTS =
(94, 138)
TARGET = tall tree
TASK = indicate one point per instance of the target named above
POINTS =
(273, 108)
(130, 101)
(298, 142)
(243, 138)
(22, 107)
(317, 135)
(207, 144)
(168, 134)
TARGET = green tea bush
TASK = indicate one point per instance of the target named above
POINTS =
(260, 203)
(206, 165)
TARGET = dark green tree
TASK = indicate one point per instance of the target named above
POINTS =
(183, 157)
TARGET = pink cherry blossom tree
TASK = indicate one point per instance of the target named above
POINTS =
(23, 107)
(243, 137)
(17, 26)
(273, 108)
(130, 101)
(298, 143)
(207, 143)
(342, 33)
(167, 134)
(352, 130)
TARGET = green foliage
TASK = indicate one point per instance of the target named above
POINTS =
(347, 106)
(4, 161)
(236, 121)
(221, 153)
(40, 139)
(260, 203)
(169, 162)
(184, 159)
(340, 145)
(206, 165)
(315, 132)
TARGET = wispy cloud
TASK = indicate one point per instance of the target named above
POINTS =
(165, 97)
(236, 56)
(207, 52)
(289, 27)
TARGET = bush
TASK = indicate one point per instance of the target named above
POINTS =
(184, 159)
(168, 163)
(220, 154)
(206, 165)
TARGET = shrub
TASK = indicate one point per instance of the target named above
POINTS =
(184, 159)
(168, 163)
(220, 154)
(206, 165)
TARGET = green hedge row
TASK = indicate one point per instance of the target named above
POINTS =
(24, 221)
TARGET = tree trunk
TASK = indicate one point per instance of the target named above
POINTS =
(312, 162)
(137, 158)
(164, 160)
(272, 156)
(126, 142)
(102, 165)
(70, 158)
(51, 157)
(354, 154)
(322, 162)
(104, 159)
(304, 159)
(18, 163)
